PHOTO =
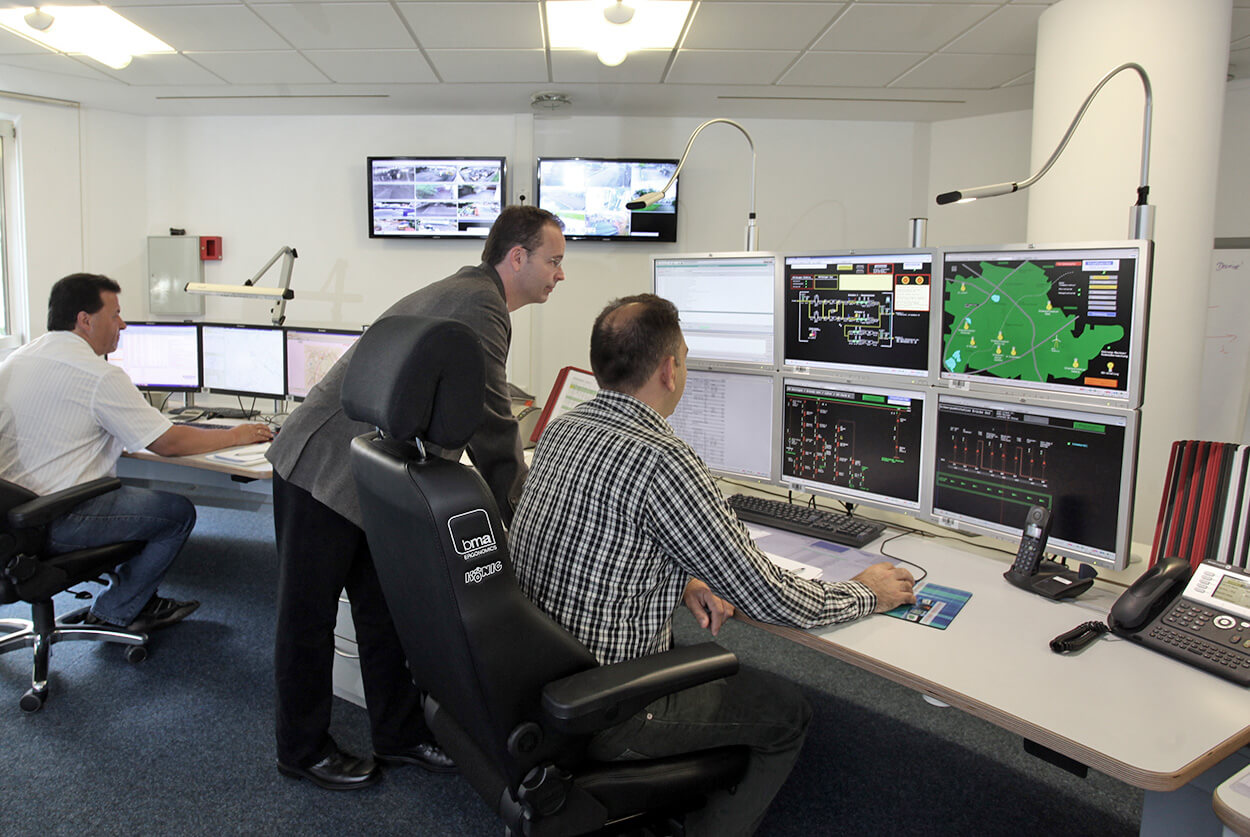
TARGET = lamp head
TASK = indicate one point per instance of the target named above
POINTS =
(39, 19)
(644, 201)
(618, 13)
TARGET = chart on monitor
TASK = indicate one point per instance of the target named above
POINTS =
(1055, 322)
(727, 417)
(725, 303)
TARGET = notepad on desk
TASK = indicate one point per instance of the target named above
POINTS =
(244, 455)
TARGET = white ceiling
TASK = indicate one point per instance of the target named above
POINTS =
(843, 59)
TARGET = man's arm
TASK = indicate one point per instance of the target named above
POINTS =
(182, 441)
(709, 609)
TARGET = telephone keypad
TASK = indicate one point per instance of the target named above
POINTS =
(1202, 637)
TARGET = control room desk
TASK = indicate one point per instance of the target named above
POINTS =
(1133, 714)
(201, 479)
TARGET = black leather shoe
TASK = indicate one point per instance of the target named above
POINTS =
(429, 756)
(160, 613)
(337, 771)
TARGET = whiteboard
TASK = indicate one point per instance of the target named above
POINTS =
(1226, 355)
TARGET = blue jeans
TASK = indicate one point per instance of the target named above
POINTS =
(128, 514)
(754, 708)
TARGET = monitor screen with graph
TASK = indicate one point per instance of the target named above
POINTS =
(160, 356)
(859, 312)
(995, 459)
(1053, 322)
(310, 354)
(244, 360)
(727, 417)
(725, 302)
(859, 443)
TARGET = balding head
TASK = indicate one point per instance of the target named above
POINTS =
(631, 337)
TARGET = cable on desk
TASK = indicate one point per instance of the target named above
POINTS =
(1077, 638)
(924, 573)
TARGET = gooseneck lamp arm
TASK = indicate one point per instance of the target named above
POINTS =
(248, 289)
(651, 197)
(1141, 217)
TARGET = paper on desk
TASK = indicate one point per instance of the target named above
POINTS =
(243, 455)
(832, 561)
(801, 570)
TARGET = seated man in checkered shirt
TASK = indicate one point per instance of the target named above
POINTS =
(620, 519)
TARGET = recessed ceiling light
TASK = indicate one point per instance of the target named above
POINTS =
(608, 28)
(95, 31)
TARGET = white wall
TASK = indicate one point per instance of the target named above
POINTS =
(1232, 194)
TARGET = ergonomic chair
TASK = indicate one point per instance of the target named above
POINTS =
(512, 696)
(29, 574)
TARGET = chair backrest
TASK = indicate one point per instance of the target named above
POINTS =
(474, 641)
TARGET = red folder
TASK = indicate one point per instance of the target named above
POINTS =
(564, 394)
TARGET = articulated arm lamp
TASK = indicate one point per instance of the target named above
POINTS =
(248, 289)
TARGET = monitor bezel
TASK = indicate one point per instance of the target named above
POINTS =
(199, 357)
(854, 373)
(279, 396)
(730, 365)
(425, 236)
(286, 350)
(1128, 476)
(920, 509)
(1139, 320)
(774, 435)
(538, 195)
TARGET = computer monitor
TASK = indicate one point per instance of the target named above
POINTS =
(160, 356)
(859, 312)
(859, 443)
(995, 459)
(725, 302)
(1057, 322)
(244, 360)
(728, 418)
(590, 196)
(310, 353)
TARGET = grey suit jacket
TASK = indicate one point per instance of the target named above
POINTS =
(312, 449)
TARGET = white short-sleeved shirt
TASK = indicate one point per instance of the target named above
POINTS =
(66, 414)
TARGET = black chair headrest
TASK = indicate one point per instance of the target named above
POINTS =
(417, 378)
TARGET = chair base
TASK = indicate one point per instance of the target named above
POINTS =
(23, 633)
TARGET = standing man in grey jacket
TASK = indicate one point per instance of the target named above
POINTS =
(321, 543)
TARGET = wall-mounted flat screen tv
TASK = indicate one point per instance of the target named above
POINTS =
(589, 195)
(435, 197)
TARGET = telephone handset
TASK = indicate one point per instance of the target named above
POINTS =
(1202, 619)
(1046, 578)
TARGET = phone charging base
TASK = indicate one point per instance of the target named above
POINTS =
(1055, 581)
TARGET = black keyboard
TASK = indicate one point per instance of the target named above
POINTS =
(203, 425)
(794, 517)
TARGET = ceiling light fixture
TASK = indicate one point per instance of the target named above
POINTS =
(97, 32)
(612, 28)
(550, 100)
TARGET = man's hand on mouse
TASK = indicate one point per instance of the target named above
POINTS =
(892, 585)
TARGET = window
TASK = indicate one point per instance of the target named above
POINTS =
(11, 296)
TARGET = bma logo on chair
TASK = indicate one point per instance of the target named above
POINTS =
(471, 534)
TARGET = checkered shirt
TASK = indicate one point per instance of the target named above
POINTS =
(618, 514)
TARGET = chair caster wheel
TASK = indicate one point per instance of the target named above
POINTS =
(136, 654)
(32, 701)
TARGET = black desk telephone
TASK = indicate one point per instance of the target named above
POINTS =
(1046, 578)
(1201, 618)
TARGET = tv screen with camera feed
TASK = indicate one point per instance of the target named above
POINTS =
(589, 195)
(435, 197)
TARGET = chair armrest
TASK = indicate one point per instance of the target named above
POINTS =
(45, 509)
(597, 698)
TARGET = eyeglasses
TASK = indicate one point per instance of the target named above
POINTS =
(554, 261)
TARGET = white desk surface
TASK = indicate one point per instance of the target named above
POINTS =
(1115, 706)
(1232, 802)
(201, 461)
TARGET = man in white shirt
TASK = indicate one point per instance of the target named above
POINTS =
(66, 415)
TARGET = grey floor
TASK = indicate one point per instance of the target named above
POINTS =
(182, 743)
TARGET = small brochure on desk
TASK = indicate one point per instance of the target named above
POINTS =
(935, 606)
(810, 557)
(244, 455)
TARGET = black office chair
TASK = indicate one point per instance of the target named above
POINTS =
(512, 696)
(29, 574)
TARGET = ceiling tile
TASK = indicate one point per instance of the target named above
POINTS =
(206, 28)
(11, 44)
(352, 25)
(376, 66)
(756, 25)
(728, 67)
(850, 69)
(1241, 23)
(63, 65)
(966, 72)
(260, 67)
(573, 66)
(490, 65)
(486, 25)
(920, 27)
(164, 70)
(1012, 30)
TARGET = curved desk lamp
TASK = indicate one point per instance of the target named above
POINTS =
(249, 290)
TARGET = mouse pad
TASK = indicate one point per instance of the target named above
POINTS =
(936, 606)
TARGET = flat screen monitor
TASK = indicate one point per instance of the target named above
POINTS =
(725, 302)
(859, 312)
(244, 360)
(310, 353)
(995, 459)
(856, 442)
(160, 356)
(727, 417)
(1057, 322)
(435, 197)
(589, 195)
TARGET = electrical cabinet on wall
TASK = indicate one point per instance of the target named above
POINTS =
(173, 261)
